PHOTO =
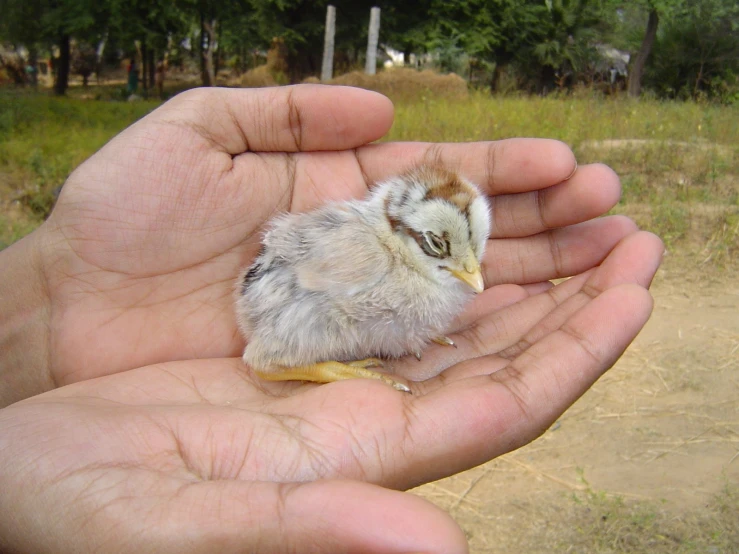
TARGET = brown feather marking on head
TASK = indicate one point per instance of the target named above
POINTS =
(446, 185)
(395, 223)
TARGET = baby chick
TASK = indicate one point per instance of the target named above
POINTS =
(333, 290)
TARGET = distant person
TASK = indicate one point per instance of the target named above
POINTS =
(32, 75)
(133, 78)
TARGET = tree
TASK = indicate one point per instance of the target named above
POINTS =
(239, 36)
(208, 17)
(143, 28)
(37, 23)
(491, 31)
(61, 20)
(637, 68)
(656, 11)
(697, 52)
(20, 24)
(546, 41)
(564, 41)
(83, 61)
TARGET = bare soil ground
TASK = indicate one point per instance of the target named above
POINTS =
(646, 461)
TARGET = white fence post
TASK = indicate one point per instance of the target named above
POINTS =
(374, 34)
(327, 67)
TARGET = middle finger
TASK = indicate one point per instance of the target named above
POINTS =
(553, 254)
(590, 192)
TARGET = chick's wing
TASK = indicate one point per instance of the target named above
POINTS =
(342, 255)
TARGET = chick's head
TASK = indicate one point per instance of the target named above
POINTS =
(445, 221)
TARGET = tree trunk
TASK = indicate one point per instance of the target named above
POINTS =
(637, 69)
(99, 57)
(217, 57)
(145, 68)
(498, 72)
(699, 78)
(201, 44)
(152, 68)
(207, 42)
(62, 68)
(407, 56)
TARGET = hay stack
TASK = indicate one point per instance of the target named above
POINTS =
(404, 83)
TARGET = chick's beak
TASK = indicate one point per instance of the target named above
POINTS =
(471, 274)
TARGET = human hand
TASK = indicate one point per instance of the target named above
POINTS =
(136, 264)
(198, 456)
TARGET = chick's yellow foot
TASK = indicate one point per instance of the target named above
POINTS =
(328, 372)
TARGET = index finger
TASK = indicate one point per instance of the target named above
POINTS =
(499, 167)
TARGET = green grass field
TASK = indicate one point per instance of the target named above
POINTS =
(42, 139)
(674, 159)
(678, 162)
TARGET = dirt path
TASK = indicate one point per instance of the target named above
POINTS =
(657, 436)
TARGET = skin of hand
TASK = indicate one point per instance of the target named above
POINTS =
(189, 453)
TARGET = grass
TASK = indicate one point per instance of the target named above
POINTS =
(573, 119)
(12, 230)
(603, 524)
(679, 162)
(42, 139)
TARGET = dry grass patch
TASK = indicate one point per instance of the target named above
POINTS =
(402, 84)
(601, 524)
(261, 76)
(585, 521)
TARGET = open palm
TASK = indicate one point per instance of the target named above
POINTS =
(198, 456)
(141, 252)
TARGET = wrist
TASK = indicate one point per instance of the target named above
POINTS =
(24, 322)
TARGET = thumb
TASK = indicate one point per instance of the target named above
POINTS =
(321, 516)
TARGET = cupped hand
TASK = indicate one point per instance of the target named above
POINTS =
(140, 255)
(198, 456)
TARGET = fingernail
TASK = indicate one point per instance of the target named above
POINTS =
(573, 172)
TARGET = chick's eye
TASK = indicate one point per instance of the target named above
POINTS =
(434, 246)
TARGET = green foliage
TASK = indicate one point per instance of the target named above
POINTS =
(149, 21)
(540, 45)
(21, 21)
(697, 53)
(564, 41)
(546, 42)
(41, 22)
